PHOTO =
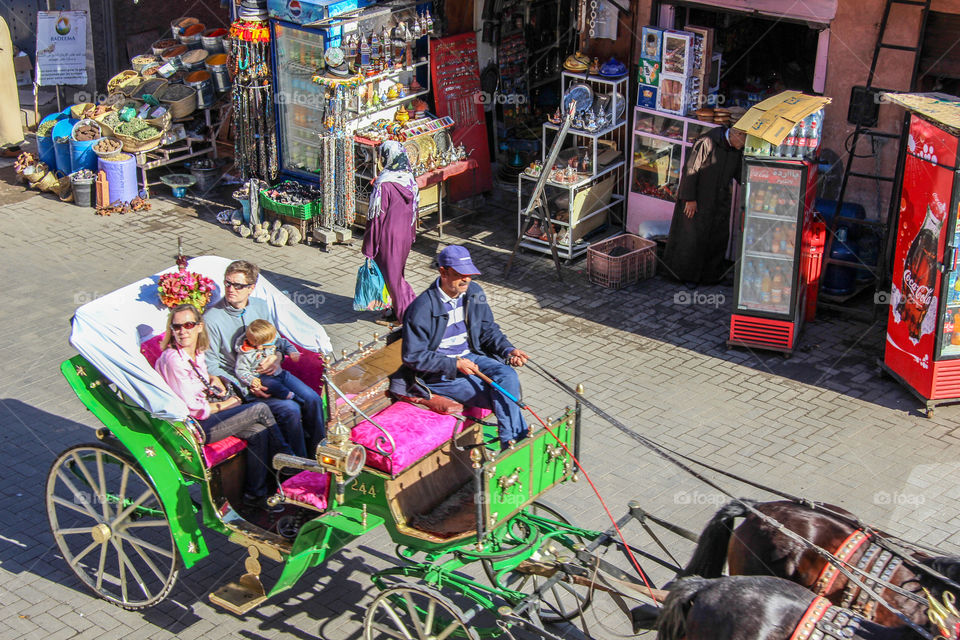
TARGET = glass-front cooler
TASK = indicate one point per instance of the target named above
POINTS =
(769, 258)
(298, 54)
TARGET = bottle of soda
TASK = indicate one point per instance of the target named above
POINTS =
(800, 146)
(813, 134)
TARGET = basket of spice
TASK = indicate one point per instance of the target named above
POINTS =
(108, 120)
(141, 61)
(137, 135)
(179, 99)
(108, 148)
(148, 87)
(124, 77)
(160, 46)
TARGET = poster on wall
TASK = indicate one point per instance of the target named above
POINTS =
(61, 47)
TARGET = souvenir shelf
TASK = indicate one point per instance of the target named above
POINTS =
(597, 194)
(660, 144)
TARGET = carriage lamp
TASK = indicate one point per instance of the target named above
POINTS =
(347, 460)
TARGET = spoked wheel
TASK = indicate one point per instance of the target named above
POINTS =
(110, 526)
(414, 612)
(562, 601)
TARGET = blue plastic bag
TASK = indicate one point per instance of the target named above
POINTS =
(371, 293)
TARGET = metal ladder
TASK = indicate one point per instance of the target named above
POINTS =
(837, 303)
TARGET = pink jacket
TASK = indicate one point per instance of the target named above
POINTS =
(175, 368)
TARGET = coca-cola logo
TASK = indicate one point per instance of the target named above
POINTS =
(918, 293)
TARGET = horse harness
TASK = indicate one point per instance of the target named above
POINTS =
(823, 621)
(877, 562)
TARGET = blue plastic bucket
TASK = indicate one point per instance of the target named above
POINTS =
(45, 144)
(62, 131)
(121, 177)
(82, 155)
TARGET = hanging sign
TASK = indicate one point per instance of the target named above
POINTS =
(61, 47)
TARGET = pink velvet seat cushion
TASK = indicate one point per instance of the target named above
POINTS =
(216, 452)
(309, 370)
(151, 349)
(415, 430)
(308, 487)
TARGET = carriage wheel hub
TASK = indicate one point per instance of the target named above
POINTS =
(101, 532)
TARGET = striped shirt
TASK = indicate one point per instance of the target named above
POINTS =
(454, 342)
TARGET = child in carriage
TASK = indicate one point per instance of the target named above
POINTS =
(259, 343)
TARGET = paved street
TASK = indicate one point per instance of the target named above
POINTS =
(821, 424)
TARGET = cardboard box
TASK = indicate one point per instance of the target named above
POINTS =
(649, 72)
(586, 202)
(675, 94)
(677, 53)
(647, 96)
(773, 119)
(651, 40)
(23, 69)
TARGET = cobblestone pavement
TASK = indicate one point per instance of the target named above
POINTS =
(821, 424)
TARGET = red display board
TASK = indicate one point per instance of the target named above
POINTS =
(455, 74)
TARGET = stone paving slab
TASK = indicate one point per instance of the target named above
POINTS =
(821, 424)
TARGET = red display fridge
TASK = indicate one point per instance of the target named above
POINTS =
(923, 327)
(770, 285)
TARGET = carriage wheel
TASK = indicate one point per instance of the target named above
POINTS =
(110, 526)
(413, 612)
(563, 601)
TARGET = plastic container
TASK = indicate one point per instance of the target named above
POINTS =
(839, 280)
(82, 155)
(45, 146)
(203, 83)
(82, 190)
(206, 177)
(298, 211)
(61, 143)
(121, 177)
(212, 40)
(217, 66)
(620, 261)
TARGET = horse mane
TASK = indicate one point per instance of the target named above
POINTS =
(948, 566)
(672, 623)
(711, 553)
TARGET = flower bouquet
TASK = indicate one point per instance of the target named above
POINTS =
(185, 287)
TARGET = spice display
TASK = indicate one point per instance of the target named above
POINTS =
(83, 174)
(86, 132)
(45, 128)
(174, 92)
(138, 129)
(107, 145)
(118, 158)
(193, 57)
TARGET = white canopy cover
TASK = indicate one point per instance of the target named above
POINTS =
(108, 332)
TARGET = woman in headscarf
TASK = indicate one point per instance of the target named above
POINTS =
(11, 135)
(392, 224)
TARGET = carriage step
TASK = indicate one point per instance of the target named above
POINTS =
(246, 593)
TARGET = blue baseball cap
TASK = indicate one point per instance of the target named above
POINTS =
(457, 258)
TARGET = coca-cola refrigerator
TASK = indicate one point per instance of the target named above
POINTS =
(769, 284)
(923, 327)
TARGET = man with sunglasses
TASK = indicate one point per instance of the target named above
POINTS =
(226, 321)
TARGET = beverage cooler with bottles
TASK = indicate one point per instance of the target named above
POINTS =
(770, 285)
(923, 325)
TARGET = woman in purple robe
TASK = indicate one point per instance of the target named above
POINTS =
(392, 224)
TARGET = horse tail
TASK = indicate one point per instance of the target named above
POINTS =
(672, 623)
(711, 552)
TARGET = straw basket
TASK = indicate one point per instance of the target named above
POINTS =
(130, 87)
(49, 182)
(121, 78)
(134, 145)
(180, 108)
(77, 110)
(64, 189)
(38, 172)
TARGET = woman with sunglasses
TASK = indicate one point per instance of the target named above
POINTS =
(183, 367)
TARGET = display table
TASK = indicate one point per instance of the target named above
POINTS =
(186, 148)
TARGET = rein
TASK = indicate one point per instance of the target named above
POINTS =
(669, 456)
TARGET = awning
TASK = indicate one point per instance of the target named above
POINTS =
(816, 12)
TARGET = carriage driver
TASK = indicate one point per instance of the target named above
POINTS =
(449, 335)
(227, 320)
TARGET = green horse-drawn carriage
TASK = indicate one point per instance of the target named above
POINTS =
(124, 511)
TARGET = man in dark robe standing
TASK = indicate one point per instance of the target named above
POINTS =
(701, 219)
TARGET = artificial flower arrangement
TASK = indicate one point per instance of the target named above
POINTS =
(185, 287)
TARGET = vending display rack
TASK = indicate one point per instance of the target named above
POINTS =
(597, 192)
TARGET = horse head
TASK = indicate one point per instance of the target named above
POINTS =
(943, 613)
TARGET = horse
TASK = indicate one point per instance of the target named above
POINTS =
(757, 548)
(768, 608)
